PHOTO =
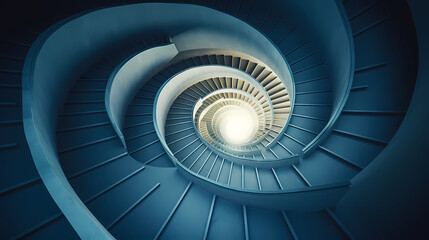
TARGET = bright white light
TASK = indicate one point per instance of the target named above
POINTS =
(237, 126)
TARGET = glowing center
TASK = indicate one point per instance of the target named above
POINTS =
(237, 126)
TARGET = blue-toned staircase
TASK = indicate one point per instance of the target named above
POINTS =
(175, 184)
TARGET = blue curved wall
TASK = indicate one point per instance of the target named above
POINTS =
(386, 200)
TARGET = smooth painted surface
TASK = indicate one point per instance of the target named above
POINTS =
(399, 164)
(325, 24)
(335, 40)
(39, 114)
(45, 86)
(388, 199)
(305, 199)
(181, 81)
(129, 77)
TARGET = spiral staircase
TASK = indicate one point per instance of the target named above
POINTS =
(116, 120)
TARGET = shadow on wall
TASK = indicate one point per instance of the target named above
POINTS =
(389, 199)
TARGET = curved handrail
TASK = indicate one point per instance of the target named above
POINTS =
(331, 193)
(199, 73)
(336, 114)
(42, 141)
(266, 163)
(185, 79)
(293, 199)
(198, 118)
(34, 137)
(253, 196)
(290, 86)
(47, 165)
(225, 90)
(129, 76)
